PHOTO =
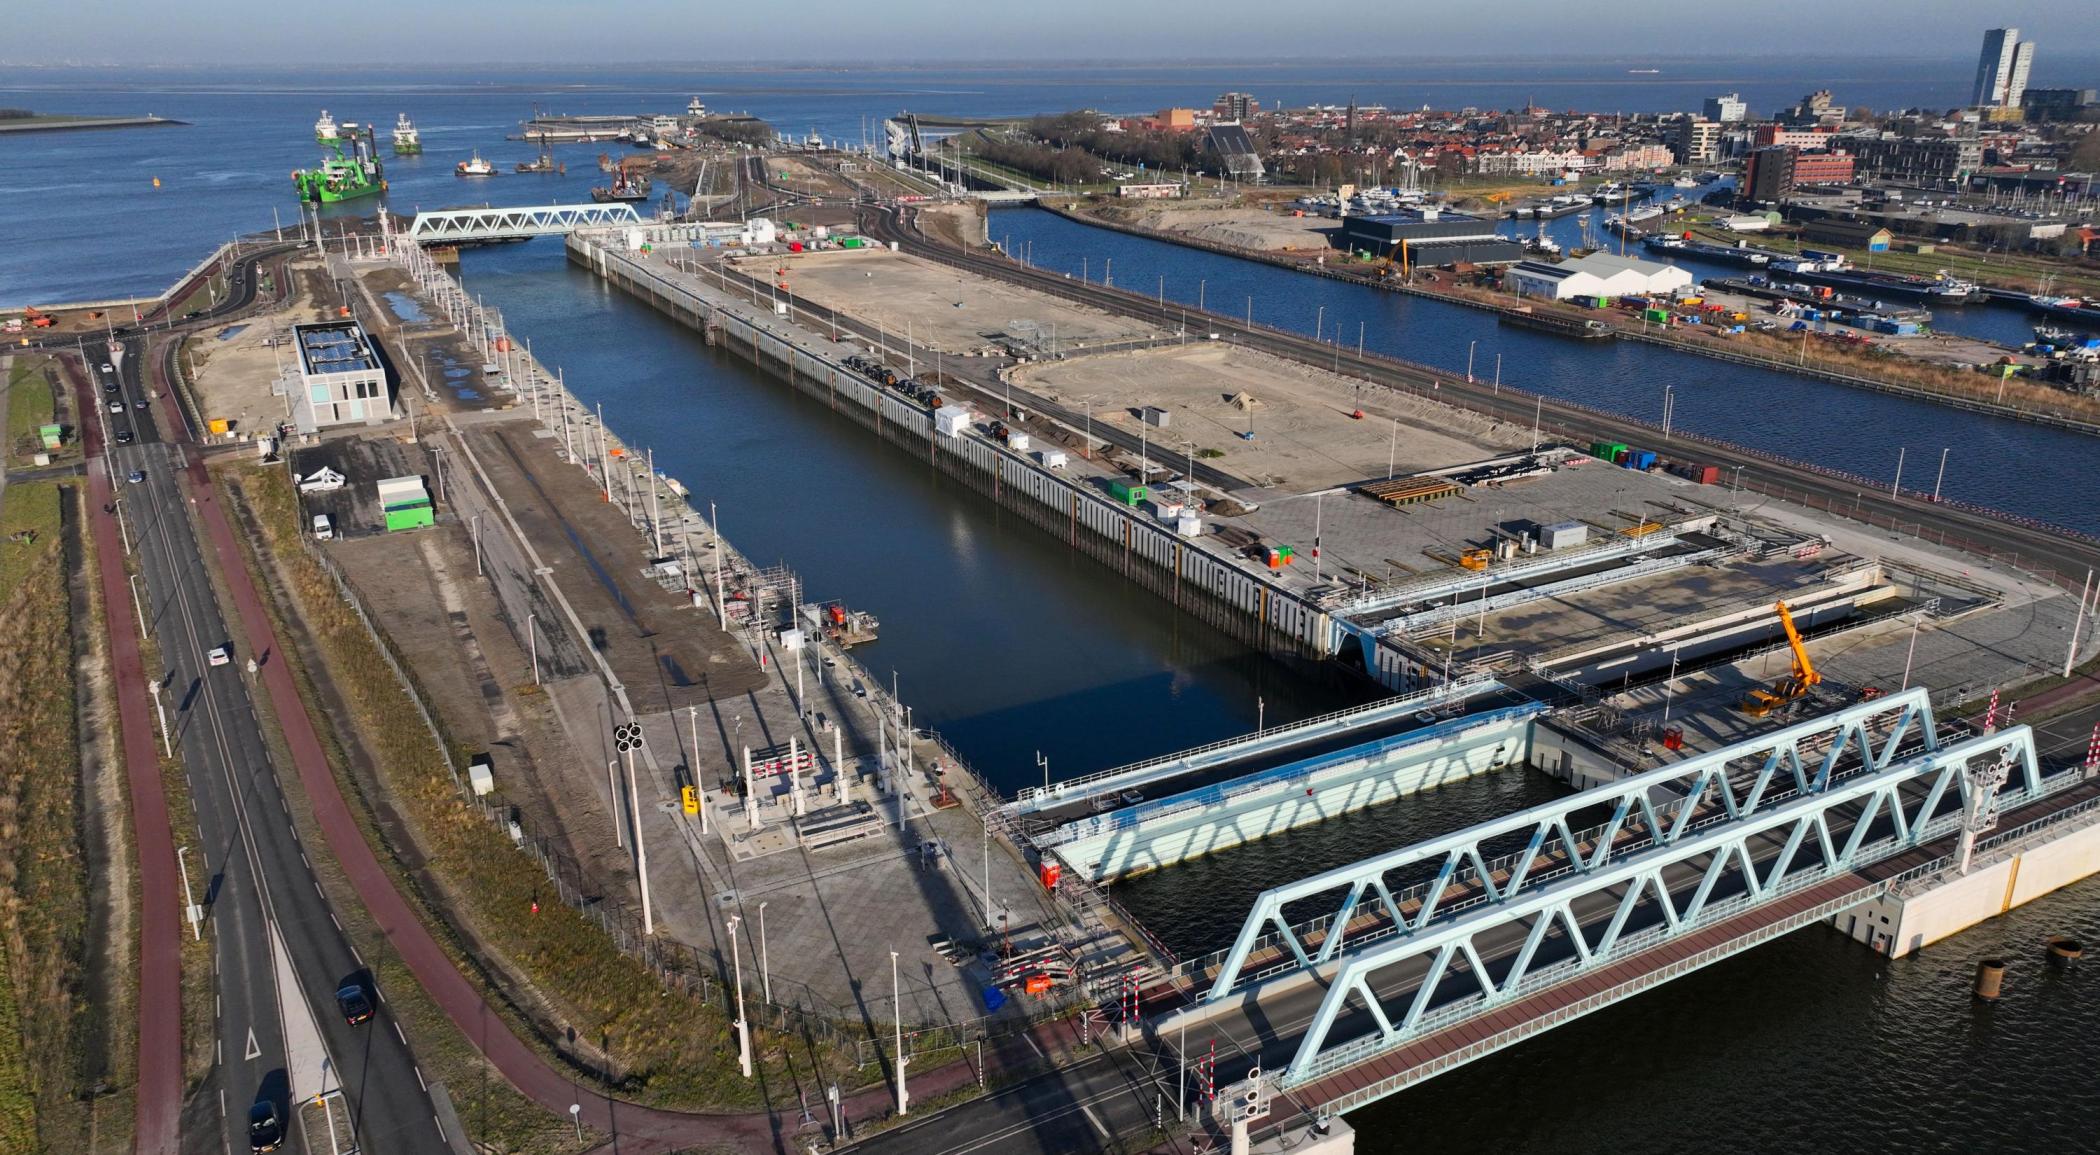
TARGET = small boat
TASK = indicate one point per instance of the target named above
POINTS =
(407, 141)
(324, 128)
(474, 167)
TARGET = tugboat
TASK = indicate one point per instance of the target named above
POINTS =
(545, 163)
(342, 175)
(324, 129)
(474, 167)
(626, 186)
(407, 141)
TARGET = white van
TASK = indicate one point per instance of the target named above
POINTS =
(323, 531)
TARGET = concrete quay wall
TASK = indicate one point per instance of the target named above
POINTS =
(1178, 569)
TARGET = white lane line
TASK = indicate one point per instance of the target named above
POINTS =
(441, 1129)
(399, 1035)
(1030, 1040)
(1096, 1121)
(419, 1080)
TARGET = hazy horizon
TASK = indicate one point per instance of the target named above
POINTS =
(828, 34)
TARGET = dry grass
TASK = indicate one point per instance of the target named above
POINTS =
(43, 879)
(663, 1047)
(29, 404)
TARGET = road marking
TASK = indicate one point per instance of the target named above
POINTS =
(1030, 1040)
(254, 1048)
(218, 1052)
(441, 1129)
(222, 1102)
(399, 1035)
(1096, 1121)
(419, 1079)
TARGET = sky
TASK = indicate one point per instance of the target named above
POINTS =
(837, 32)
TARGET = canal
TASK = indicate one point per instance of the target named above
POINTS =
(2009, 465)
(1008, 644)
(1000, 637)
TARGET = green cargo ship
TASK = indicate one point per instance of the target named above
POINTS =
(343, 176)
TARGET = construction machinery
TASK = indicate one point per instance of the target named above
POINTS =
(38, 319)
(1476, 558)
(1796, 684)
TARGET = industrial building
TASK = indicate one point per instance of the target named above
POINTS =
(1848, 234)
(341, 379)
(1428, 237)
(1596, 275)
(2044, 104)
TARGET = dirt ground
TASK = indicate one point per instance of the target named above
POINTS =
(960, 225)
(1244, 228)
(235, 367)
(812, 177)
(1305, 438)
(951, 311)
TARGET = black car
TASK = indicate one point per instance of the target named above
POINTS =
(265, 1127)
(352, 1002)
(124, 436)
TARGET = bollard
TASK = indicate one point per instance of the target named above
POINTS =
(2065, 952)
(1990, 979)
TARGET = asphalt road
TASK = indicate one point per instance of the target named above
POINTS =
(248, 870)
(2036, 545)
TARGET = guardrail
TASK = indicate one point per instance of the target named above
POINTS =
(1287, 777)
(1032, 798)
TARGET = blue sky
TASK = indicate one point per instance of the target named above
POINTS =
(834, 31)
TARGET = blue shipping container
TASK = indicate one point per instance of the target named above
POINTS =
(1643, 459)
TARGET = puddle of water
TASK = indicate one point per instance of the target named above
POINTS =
(457, 374)
(405, 307)
(230, 332)
(467, 394)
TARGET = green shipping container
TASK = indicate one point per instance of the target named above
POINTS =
(1660, 315)
(51, 435)
(408, 517)
(1614, 451)
(1127, 493)
(849, 242)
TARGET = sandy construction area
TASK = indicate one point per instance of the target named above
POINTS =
(1239, 227)
(1305, 438)
(953, 311)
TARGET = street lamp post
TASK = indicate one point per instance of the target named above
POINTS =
(1469, 361)
(1942, 475)
(765, 969)
(897, 1021)
(743, 1027)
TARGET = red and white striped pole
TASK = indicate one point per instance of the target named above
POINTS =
(1210, 1074)
(1990, 717)
(2092, 753)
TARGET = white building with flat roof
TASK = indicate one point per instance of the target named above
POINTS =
(341, 378)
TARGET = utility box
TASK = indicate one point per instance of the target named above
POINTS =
(1156, 417)
(1054, 458)
(1564, 535)
(1018, 442)
(791, 640)
(1188, 525)
(481, 774)
(952, 420)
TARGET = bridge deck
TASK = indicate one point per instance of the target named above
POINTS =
(1474, 1038)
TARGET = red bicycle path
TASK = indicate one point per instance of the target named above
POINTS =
(635, 1129)
(159, 1089)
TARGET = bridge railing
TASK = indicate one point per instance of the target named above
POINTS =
(1032, 798)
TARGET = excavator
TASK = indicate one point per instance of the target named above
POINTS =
(1797, 683)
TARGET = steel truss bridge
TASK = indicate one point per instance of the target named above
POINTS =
(1708, 856)
(462, 226)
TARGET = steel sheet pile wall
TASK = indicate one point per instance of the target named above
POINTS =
(1191, 577)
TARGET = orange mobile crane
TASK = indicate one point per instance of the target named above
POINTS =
(1798, 681)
